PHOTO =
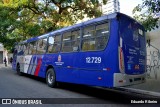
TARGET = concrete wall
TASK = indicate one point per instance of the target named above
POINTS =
(4, 52)
(1, 53)
(153, 53)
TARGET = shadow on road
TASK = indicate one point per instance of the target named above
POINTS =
(109, 94)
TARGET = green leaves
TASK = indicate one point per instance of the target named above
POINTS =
(23, 19)
(145, 13)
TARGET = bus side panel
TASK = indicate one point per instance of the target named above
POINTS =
(68, 71)
(91, 72)
(63, 65)
(111, 54)
(112, 57)
(59, 65)
(40, 69)
(33, 65)
(73, 68)
(46, 61)
(86, 67)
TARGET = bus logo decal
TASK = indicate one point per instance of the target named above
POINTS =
(59, 61)
(59, 58)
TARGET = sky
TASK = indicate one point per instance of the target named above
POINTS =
(126, 6)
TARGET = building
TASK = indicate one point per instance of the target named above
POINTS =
(3, 53)
(111, 7)
(153, 52)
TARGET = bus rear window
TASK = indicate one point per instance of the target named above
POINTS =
(140, 32)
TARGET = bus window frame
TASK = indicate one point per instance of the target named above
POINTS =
(59, 34)
(26, 48)
(94, 24)
(71, 30)
(37, 46)
(77, 29)
(67, 31)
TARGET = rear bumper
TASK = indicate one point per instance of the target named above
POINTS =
(124, 79)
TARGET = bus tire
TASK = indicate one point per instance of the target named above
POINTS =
(51, 78)
(18, 70)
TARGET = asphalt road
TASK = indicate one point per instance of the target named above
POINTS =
(26, 86)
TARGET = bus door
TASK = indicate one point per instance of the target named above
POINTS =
(24, 59)
(15, 52)
(132, 48)
(38, 63)
(69, 55)
(27, 59)
(19, 54)
(31, 59)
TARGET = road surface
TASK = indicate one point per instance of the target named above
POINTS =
(26, 86)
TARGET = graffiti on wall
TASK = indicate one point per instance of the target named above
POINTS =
(153, 62)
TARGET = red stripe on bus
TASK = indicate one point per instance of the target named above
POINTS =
(38, 67)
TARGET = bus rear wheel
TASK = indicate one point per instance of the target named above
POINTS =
(51, 78)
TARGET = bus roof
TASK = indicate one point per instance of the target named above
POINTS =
(109, 16)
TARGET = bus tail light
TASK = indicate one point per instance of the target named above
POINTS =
(121, 60)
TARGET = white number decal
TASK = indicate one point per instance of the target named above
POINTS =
(88, 60)
(93, 59)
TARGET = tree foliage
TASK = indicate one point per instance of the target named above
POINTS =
(22, 19)
(145, 13)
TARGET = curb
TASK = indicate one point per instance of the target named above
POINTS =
(139, 91)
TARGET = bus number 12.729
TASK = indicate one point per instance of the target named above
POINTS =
(93, 59)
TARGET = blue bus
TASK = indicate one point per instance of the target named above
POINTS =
(109, 51)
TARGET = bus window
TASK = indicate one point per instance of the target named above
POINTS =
(140, 31)
(54, 44)
(67, 42)
(25, 49)
(19, 48)
(102, 36)
(32, 47)
(50, 44)
(75, 40)
(88, 42)
(42, 46)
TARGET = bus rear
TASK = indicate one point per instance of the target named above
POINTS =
(132, 53)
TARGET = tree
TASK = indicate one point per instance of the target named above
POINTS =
(22, 19)
(145, 13)
(7, 22)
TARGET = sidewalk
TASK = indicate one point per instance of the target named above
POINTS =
(3, 65)
(149, 85)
